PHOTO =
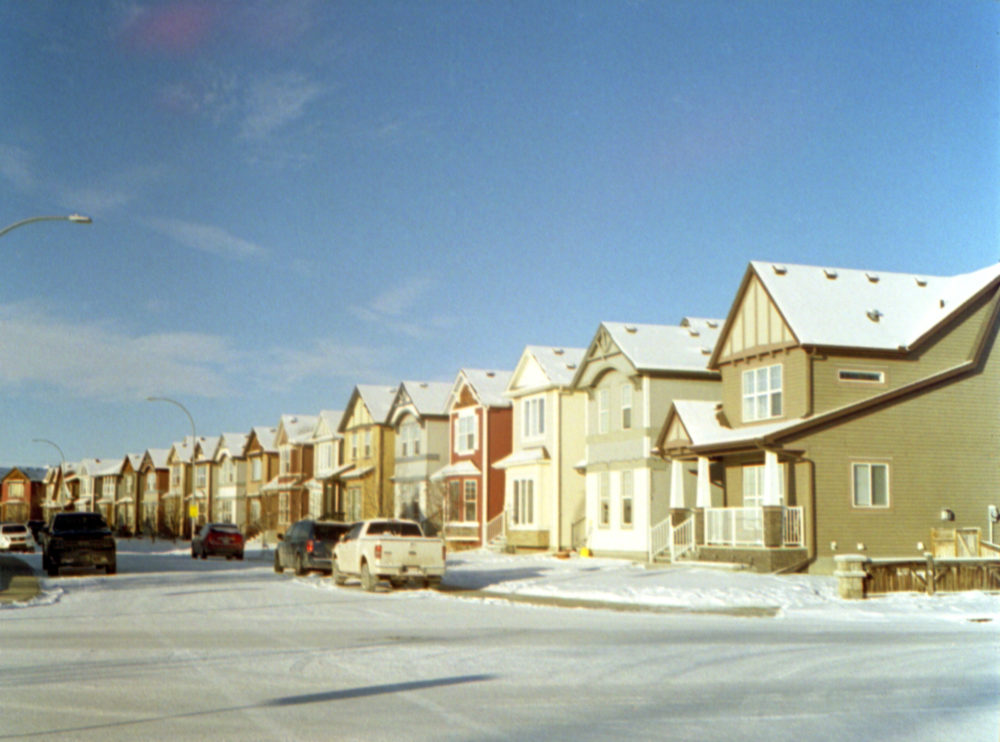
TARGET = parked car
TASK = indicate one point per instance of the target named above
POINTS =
(78, 540)
(308, 545)
(15, 537)
(388, 549)
(217, 539)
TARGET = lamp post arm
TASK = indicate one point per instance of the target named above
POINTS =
(76, 218)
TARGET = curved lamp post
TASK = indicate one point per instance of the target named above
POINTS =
(62, 467)
(75, 218)
(194, 438)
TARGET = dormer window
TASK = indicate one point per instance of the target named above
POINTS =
(762, 393)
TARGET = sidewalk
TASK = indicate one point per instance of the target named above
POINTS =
(18, 583)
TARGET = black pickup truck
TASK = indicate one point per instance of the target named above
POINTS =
(78, 540)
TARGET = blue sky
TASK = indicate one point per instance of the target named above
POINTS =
(292, 198)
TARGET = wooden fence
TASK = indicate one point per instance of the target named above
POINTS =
(931, 574)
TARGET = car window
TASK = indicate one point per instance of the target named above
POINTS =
(225, 528)
(79, 522)
(391, 528)
(14, 528)
(328, 532)
(354, 532)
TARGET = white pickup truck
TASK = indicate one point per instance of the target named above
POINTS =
(388, 549)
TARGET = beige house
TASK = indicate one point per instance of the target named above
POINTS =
(631, 374)
(177, 500)
(286, 494)
(154, 483)
(419, 419)
(544, 493)
(860, 413)
(324, 493)
(229, 479)
(369, 453)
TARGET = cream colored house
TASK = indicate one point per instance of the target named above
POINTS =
(229, 480)
(324, 500)
(631, 374)
(544, 492)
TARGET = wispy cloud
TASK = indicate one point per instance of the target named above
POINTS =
(281, 368)
(208, 238)
(16, 167)
(275, 101)
(400, 309)
(96, 360)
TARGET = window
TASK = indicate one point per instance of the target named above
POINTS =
(286, 459)
(626, 495)
(524, 502)
(255, 469)
(454, 500)
(151, 481)
(368, 443)
(871, 485)
(354, 446)
(326, 456)
(409, 438)
(604, 516)
(762, 393)
(353, 503)
(465, 438)
(175, 475)
(470, 501)
(228, 471)
(15, 490)
(202, 475)
(867, 377)
(753, 485)
(533, 412)
(626, 406)
(602, 411)
(284, 507)
(128, 482)
(109, 487)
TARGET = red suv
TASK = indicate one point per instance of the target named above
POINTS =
(217, 539)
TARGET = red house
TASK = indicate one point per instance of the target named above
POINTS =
(480, 435)
(22, 492)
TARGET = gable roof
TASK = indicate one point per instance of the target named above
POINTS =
(298, 429)
(265, 437)
(428, 397)
(559, 364)
(488, 386)
(31, 473)
(377, 398)
(326, 425)
(232, 443)
(157, 457)
(871, 310)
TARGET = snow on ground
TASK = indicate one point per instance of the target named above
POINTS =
(626, 583)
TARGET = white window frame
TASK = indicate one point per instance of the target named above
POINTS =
(256, 468)
(523, 503)
(108, 487)
(466, 432)
(151, 481)
(470, 499)
(627, 497)
(753, 485)
(15, 490)
(604, 499)
(865, 500)
(285, 454)
(368, 443)
(762, 390)
(284, 507)
(201, 475)
(627, 394)
(533, 415)
(603, 411)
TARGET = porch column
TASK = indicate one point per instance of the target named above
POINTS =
(771, 501)
(677, 511)
(703, 499)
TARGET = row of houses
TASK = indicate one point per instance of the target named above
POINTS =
(831, 411)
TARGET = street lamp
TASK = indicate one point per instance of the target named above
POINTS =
(194, 438)
(75, 218)
(62, 466)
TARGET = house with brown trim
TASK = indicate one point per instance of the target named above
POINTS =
(228, 476)
(285, 496)
(127, 494)
(261, 455)
(178, 499)
(369, 453)
(154, 483)
(22, 491)
(545, 495)
(631, 374)
(480, 435)
(419, 419)
(860, 414)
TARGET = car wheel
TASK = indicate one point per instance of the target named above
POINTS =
(193, 554)
(204, 553)
(299, 568)
(277, 562)
(338, 577)
(111, 568)
(368, 580)
(240, 556)
(52, 570)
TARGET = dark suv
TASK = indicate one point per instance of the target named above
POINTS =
(78, 540)
(308, 545)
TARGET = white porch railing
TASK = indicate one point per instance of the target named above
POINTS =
(496, 528)
(734, 526)
(791, 527)
(659, 538)
(745, 527)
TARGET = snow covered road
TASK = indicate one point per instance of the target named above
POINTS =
(178, 649)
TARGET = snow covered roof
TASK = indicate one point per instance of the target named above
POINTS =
(378, 399)
(233, 443)
(298, 428)
(558, 363)
(681, 348)
(488, 385)
(428, 397)
(866, 309)
(207, 444)
(265, 436)
(524, 456)
(705, 429)
(326, 424)
(157, 457)
(461, 469)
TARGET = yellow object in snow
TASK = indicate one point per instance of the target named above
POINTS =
(586, 552)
